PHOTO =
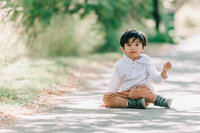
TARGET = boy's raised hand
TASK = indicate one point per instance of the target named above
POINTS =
(167, 66)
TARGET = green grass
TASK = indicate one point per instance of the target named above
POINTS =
(22, 80)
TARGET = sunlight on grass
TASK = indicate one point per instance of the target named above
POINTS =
(23, 80)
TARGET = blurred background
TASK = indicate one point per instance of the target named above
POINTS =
(53, 46)
(46, 28)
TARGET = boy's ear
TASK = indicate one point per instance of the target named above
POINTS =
(143, 48)
(123, 49)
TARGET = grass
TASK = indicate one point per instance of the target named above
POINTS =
(24, 79)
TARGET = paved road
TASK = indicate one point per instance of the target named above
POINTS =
(81, 112)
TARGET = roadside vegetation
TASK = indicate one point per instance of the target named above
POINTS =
(47, 45)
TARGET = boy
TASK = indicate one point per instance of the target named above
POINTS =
(134, 74)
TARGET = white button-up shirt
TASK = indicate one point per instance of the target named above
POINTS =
(128, 73)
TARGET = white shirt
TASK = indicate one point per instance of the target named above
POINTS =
(128, 73)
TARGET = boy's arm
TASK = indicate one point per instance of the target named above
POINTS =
(157, 77)
(115, 82)
(167, 66)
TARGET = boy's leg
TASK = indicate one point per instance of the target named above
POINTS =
(122, 100)
(138, 103)
(116, 99)
(142, 92)
(163, 102)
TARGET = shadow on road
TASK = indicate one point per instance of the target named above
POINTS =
(81, 112)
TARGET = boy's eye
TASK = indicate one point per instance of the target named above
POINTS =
(136, 44)
(128, 44)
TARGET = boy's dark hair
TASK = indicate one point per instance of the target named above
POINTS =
(133, 34)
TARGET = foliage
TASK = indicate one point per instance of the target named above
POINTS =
(37, 15)
(161, 37)
(110, 14)
(68, 35)
(141, 9)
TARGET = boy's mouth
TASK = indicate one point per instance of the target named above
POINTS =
(133, 52)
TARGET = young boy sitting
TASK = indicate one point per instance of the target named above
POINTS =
(130, 85)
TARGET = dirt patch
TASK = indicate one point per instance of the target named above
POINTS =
(45, 98)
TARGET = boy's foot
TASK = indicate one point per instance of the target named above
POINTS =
(138, 104)
(163, 102)
(169, 103)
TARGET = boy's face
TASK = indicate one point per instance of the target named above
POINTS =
(133, 49)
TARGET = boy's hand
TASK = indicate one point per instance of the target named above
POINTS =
(167, 66)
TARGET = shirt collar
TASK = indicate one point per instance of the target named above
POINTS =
(143, 59)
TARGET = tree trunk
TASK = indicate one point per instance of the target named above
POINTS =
(156, 13)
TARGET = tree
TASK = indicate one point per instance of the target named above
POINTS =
(110, 14)
(156, 13)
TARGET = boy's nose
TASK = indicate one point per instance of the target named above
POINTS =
(133, 47)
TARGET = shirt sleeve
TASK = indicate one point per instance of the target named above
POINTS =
(154, 75)
(115, 81)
